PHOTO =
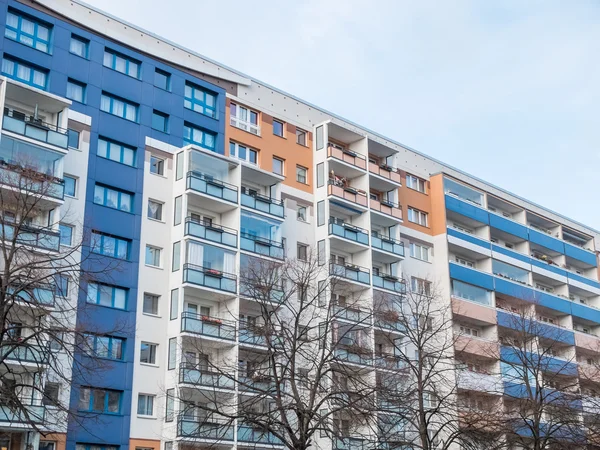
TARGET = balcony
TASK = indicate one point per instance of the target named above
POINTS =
(257, 335)
(347, 193)
(387, 244)
(350, 272)
(386, 207)
(19, 123)
(207, 185)
(347, 156)
(31, 182)
(385, 171)
(484, 348)
(352, 314)
(34, 413)
(350, 232)
(204, 428)
(207, 326)
(211, 232)
(262, 246)
(354, 355)
(389, 320)
(248, 434)
(257, 383)
(263, 204)
(348, 443)
(256, 291)
(477, 381)
(33, 237)
(191, 374)
(389, 362)
(210, 278)
(24, 353)
(389, 282)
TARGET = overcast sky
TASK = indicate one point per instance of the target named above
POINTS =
(507, 90)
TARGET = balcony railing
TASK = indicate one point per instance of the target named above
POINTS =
(347, 354)
(262, 246)
(347, 443)
(32, 182)
(257, 335)
(204, 428)
(389, 320)
(347, 156)
(385, 171)
(263, 203)
(388, 361)
(350, 272)
(255, 436)
(35, 129)
(32, 237)
(24, 353)
(255, 290)
(34, 413)
(207, 326)
(256, 383)
(350, 232)
(390, 282)
(206, 184)
(387, 244)
(211, 232)
(347, 193)
(37, 295)
(351, 314)
(387, 207)
(191, 374)
(211, 278)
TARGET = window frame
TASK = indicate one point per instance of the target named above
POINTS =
(48, 400)
(92, 392)
(162, 165)
(86, 46)
(95, 339)
(234, 150)
(413, 182)
(167, 76)
(33, 69)
(160, 209)
(78, 84)
(18, 31)
(282, 128)
(304, 134)
(118, 241)
(114, 55)
(298, 169)
(160, 256)
(305, 208)
(423, 249)
(282, 161)
(190, 100)
(123, 150)
(65, 177)
(121, 195)
(164, 117)
(302, 251)
(152, 399)
(113, 291)
(152, 353)
(188, 129)
(72, 228)
(421, 216)
(127, 105)
(155, 297)
(70, 135)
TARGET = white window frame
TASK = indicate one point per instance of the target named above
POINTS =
(241, 119)
(415, 183)
(236, 146)
(417, 251)
(160, 255)
(161, 206)
(162, 171)
(275, 158)
(148, 396)
(157, 297)
(417, 216)
(155, 353)
(305, 209)
(298, 171)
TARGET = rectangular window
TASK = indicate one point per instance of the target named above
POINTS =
(115, 151)
(300, 137)
(278, 128)
(145, 405)
(121, 63)
(150, 304)
(148, 353)
(177, 210)
(119, 107)
(301, 214)
(320, 175)
(174, 304)
(157, 165)
(419, 251)
(109, 347)
(25, 73)
(105, 244)
(416, 183)
(76, 91)
(201, 138)
(79, 46)
(244, 119)
(28, 31)
(155, 210)
(420, 286)
(70, 186)
(301, 174)
(162, 79)
(321, 293)
(321, 213)
(320, 138)
(51, 394)
(302, 250)
(244, 153)
(66, 234)
(107, 295)
(160, 121)
(418, 217)
(153, 256)
(176, 256)
(62, 285)
(169, 409)
(172, 354)
(200, 100)
(73, 138)
(179, 166)
(113, 198)
(278, 166)
(107, 401)
(321, 252)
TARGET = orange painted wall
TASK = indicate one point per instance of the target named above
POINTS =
(269, 145)
(438, 205)
(421, 201)
(144, 443)
(59, 438)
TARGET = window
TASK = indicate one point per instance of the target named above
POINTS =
(106, 401)
(162, 79)
(153, 255)
(175, 264)
(148, 353)
(115, 151)
(419, 251)
(70, 186)
(320, 175)
(201, 138)
(416, 216)
(300, 137)
(27, 31)
(66, 234)
(244, 118)
(122, 63)
(62, 285)
(321, 213)
(422, 287)
(113, 198)
(21, 71)
(302, 250)
(177, 210)
(169, 410)
(301, 173)
(416, 183)
(157, 165)
(278, 166)
(320, 138)
(174, 304)
(107, 295)
(119, 107)
(47, 445)
(109, 347)
(150, 304)
(160, 121)
(155, 210)
(76, 90)
(145, 405)
(321, 252)
(199, 100)
(104, 244)
(179, 166)
(172, 354)
(73, 138)
(301, 213)
(278, 128)
(79, 46)
(244, 153)
(51, 392)
(470, 292)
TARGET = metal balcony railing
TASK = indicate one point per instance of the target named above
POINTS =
(208, 277)
(206, 184)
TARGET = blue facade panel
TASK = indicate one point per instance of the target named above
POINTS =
(467, 209)
(547, 241)
(469, 238)
(580, 254)
(471, 276)
(511, 253)
(549, 267)
(582, 279)
(509, 226)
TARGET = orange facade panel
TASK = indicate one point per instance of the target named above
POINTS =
(438, 205)
(412, 198)
(473, 311)
(144, 443)
(478, 347)
(587, 342)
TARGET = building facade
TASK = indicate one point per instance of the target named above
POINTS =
(182, 171)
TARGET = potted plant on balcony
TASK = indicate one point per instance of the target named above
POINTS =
(386, 167)
(214, 272)
(212, 320)
(351, 266)
(387, 276)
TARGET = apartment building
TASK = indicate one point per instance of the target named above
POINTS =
(185, 171)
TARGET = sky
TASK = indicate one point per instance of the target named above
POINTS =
(506, 90)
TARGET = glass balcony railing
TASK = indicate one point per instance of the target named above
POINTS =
(36, 295)
(256, 383)
(192, 374)
(35, 184)
(354, 356)
(24, 353)
(252, 435)
(262, 246)
(350, 272)
(348, 443)
(389, 282)
(350, 232)
(207, 326)
(342, 190)
(34, 413)
(352, 314)
(204, 428)
(206, 184)
(211, 278)
(263, 203)
(387, 244)
(32, 237)
(257, 335)
(386, 207)
(391, 362)
(257, 291)
(348, 156)
(30, 127)
(211, 232)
